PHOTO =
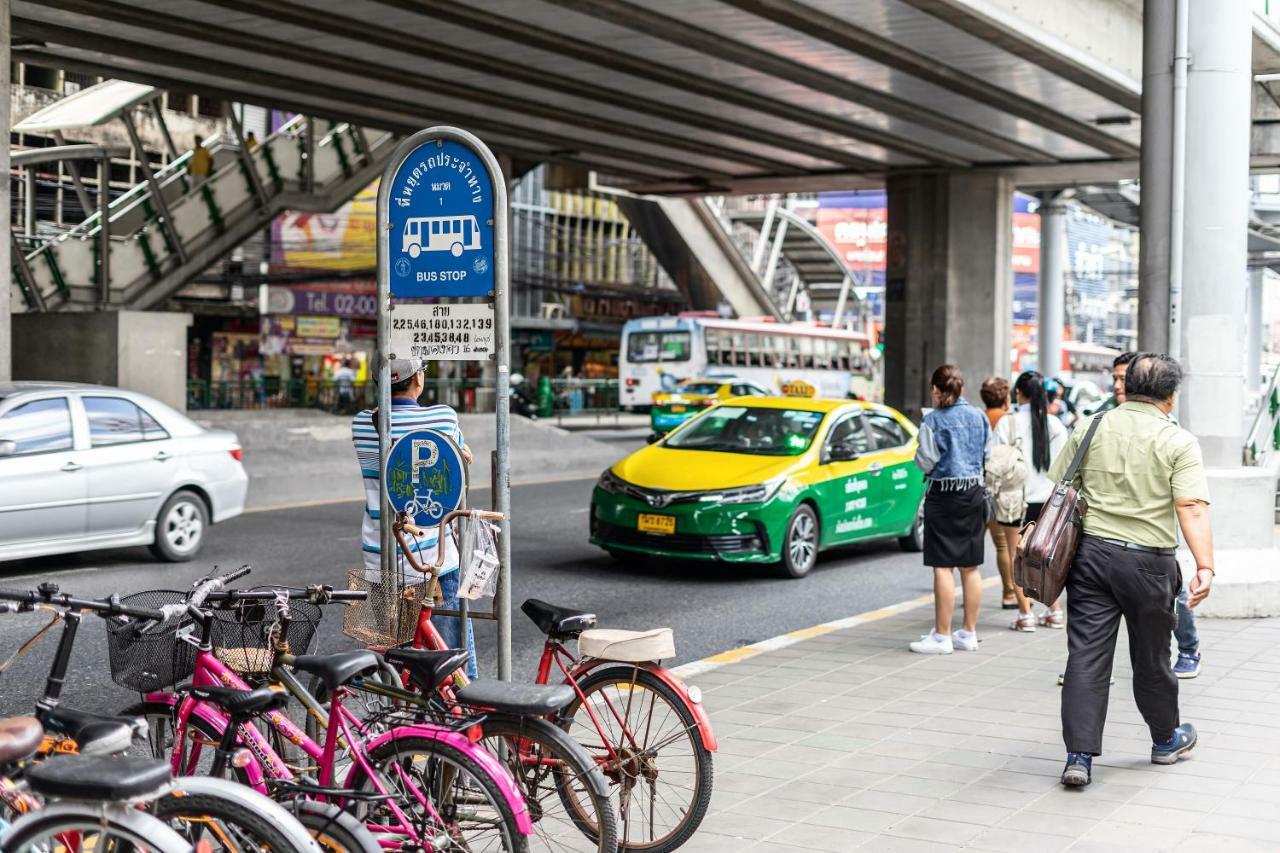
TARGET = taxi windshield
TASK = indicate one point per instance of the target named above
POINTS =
(698, 388)
(757, 431)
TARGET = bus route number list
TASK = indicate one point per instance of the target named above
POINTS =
(456, 332)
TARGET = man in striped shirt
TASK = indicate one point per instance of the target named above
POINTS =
(407, 383)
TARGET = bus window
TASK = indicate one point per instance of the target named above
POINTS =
(769, 352)
(657, 346)
(841, 361)
(711, 338)
(739, 350)
(754, 356)
(806, 353)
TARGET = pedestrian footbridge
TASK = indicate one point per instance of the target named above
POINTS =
(139, 248)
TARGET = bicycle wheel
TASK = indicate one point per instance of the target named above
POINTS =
(567, 795)
(332, 828)
(202, 739)
(85, 826)
(661, 777)
(222, 824)
(477, 816)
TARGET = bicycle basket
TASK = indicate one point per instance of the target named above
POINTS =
(156, 659)
(389, 616)
(242, 634)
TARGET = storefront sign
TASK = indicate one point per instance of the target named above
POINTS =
(440, 223)
(442, 332)
(425, 476)
(318, 327)
(319, 299)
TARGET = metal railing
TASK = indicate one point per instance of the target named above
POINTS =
(1264, 436)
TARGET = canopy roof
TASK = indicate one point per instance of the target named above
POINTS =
(89, 107)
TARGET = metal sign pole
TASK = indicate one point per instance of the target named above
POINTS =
(441, 228)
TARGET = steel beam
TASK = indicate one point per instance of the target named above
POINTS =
(164, 128)
(360, 69)
(848, 36)
(81, 193)
(23, 269)
(675, 31)
(246, 156)
(205, 66)
(157, 197)
(104, 229)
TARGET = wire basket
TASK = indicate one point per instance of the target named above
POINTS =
(156, 659)
(389, 616)
(242, 635)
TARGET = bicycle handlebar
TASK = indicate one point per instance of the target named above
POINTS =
(103, 607)
(316, 594)
(403, 525)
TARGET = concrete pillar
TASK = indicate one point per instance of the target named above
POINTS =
(949, 282)
(1157, 155)
(1253, 340)
(1215, 256)
(1052, 298)
(6, 268)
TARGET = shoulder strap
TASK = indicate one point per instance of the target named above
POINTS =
(1080, 451)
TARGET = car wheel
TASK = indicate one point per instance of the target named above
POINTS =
(800, 545)
(913, 542)
(626, 558)
(180, 527)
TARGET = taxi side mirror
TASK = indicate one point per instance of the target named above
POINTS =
(841, 453)
(7, 447)
(651, 438)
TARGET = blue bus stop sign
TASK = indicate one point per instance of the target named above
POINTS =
(440, 213)
(425, 476)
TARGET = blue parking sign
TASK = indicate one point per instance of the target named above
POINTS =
(440, 213)
(425, 476)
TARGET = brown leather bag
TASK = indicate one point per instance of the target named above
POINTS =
(1047, 547)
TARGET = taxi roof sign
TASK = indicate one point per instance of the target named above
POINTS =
(799, 388)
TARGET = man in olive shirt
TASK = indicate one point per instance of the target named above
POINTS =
(1140, 475)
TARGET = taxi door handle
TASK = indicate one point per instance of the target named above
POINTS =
(71, 467)
(161, 456)
(875, 467)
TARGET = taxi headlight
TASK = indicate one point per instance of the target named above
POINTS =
(758, 493)
(610, 483)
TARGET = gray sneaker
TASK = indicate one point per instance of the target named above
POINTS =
(1183, 741)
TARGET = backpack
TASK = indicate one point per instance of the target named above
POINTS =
(1006, 474)
(1047, 547)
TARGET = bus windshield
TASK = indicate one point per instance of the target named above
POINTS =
(657, 346)
(760, 432)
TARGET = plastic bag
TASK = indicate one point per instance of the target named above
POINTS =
(478, 559)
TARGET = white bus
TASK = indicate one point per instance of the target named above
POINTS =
(454, 234)
(659, 352)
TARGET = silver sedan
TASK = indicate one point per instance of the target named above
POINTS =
(84, 467)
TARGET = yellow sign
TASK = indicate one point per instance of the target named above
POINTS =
(799, 388)
(318, 327)
(651, 523)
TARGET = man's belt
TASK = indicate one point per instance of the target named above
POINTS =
(1133, 546)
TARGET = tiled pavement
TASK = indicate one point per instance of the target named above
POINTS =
(848, 741)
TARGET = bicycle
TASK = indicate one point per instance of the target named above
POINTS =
(424, 505)
(91, 800)
(415, 785)
(198, 810)
(611, 669)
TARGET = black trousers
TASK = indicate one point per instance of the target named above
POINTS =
(1107, 582)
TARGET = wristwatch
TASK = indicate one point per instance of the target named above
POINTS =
(1208, 569)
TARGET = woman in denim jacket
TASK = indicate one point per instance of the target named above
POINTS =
(953, 448)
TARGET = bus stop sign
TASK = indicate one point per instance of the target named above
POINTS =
(440, 223)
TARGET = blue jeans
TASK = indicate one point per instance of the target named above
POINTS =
(449, 626)
(1185, 631)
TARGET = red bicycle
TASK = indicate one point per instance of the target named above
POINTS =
(644, 727)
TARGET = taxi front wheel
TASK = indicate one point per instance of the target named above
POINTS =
(800, 546)
(913, 542)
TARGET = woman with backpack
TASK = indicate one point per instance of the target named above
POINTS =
(1039, 438)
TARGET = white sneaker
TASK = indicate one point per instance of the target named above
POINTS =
(1026, 623)
(965, 641)
(1052, 619)
(933, 643)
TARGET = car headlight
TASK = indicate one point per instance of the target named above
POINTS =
(610, 483)
(758, 493)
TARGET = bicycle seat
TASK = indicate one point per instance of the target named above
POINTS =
(337, 669)
(100, 777)
(559, 623)
(539, 699)
(242, 702)
(94, 734)
(628, 646)
(427, 668)
(19, 738)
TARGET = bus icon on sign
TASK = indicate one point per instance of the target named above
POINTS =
(454, 234)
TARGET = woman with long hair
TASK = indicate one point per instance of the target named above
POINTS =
(952, 450)
(1041, 438)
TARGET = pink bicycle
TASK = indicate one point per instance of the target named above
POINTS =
(417, 787)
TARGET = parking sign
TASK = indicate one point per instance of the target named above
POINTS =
(440, 218)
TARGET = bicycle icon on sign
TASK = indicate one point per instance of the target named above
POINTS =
(424, 505)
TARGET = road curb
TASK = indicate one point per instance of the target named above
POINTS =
(479, 487)
(791, 638)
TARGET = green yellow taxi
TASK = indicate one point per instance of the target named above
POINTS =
(672, 408)
(765, 480)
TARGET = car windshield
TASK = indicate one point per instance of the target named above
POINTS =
(698, 388)
(757, 431)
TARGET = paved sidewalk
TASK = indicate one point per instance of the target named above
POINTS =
(849, 741)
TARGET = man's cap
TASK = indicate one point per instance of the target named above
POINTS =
(404, 368)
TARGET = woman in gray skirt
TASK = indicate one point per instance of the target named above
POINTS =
(953, 447)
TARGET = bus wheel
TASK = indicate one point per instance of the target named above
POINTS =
(456, 249)
(415, 250)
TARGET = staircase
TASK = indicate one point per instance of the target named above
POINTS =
(150, 257)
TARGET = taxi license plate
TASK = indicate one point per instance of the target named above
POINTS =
(677, 409)
(650, 523)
